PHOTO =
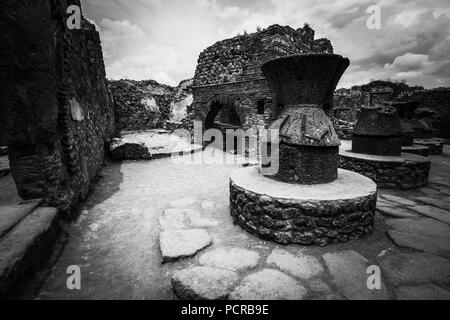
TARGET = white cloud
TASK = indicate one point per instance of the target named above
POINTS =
(161, 40)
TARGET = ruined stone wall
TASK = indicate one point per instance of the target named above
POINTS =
(146, 105)
(56, 110)
(232, 68)
(348, 102)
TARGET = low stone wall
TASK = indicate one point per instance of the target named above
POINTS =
(306, 223)
(415, 149)
(435, 146)
(389, 175)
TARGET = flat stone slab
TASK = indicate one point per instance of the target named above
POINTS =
(269, 284)
(300, 266)
(423, 226)
(423, 292)
(181, 219)
(182, 243)
(26, 245)
(10, 215)
(415, 268)
(346, 150)
(433, 212)
(349, 272)
(439, 245)
(431, 192)
(399, 200)
(204, 283)
(196, 220)
(349, 185)
(435, 203)
(397, 212)
(183, 202)
(173, 219)
(230, 258)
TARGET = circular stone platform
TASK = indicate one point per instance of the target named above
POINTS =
(303, 214)
(435, 145)
(417, 149)
(407, 171)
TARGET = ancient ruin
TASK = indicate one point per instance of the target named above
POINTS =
(110, 190)
(376, 148)
(406, 111)
(57, 111)
(309, 201)
(230, 90)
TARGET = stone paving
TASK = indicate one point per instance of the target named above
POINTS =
(157, 230)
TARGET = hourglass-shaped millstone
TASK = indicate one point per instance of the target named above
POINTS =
(378, 130)
(304, 86)
(406, 112)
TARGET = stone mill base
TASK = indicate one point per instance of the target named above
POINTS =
(417, 149)
(303, 214)
(408, 171)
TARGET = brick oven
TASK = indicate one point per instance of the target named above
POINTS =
(230, 90)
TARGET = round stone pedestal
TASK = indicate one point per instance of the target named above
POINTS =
(303, 214)
(417, 149)
(407, 171)
(435, 145)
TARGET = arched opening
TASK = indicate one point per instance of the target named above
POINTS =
(222, 116)
(224, 113)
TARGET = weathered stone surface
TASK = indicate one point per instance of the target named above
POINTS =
(208, 205)
(268, 284)
(56, 147)
(173, 219)
(406, 268)
(183, 202)
(230, 258)
(435, 203)
(423, 226)
(399, 200)
(322, 291)
(145, 105)
(431, 192)
(204, 283)
(439, 245)
(433, 212)
(423, 292)
(27, 245)
(406, 172)
(10, 215)
(307, 215)
(349, 272)
(397, 212)
(121, 151)
(196, 220)
(182, 243)
(229, 85)
(300, 265)
(4, 166)
(179, 219)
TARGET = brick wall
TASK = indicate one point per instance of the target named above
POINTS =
(230, 70)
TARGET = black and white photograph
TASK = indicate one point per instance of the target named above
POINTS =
(223, 156)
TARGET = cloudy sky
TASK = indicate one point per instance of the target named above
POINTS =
(161, 39)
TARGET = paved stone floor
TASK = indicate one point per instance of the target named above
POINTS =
(116, 242)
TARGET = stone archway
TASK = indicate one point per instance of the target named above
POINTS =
(226, 107)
